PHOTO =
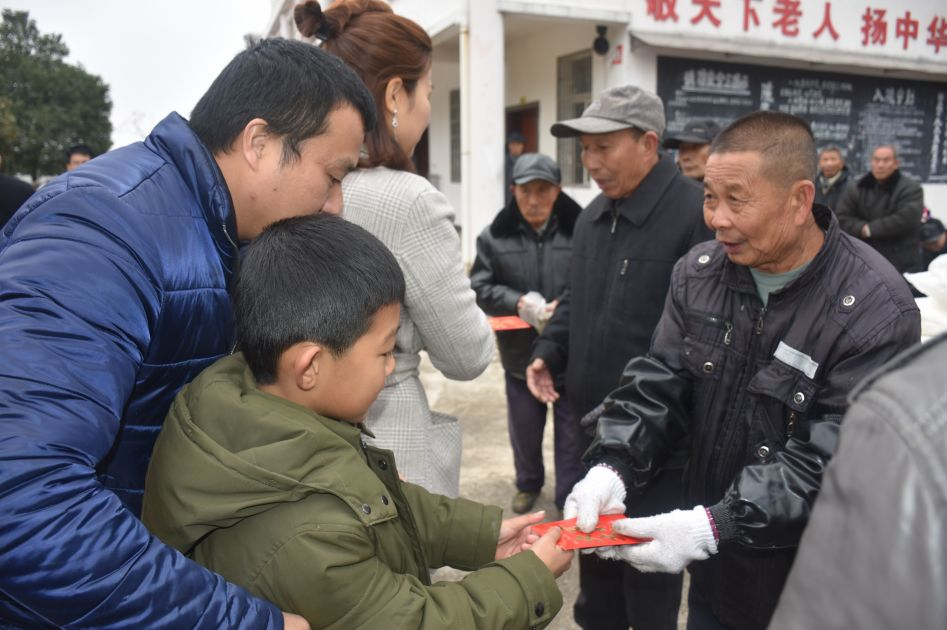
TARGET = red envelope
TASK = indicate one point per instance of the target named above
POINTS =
(510, 322)
(602, 536)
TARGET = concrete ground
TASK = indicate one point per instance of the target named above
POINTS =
(487, 465)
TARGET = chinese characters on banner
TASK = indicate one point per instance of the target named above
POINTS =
(881, 27)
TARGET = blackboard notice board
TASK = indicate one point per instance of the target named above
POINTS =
(856, 113)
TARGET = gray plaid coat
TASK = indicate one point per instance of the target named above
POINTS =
(440, 316)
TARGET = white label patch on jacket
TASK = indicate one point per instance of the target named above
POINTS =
(796, 359)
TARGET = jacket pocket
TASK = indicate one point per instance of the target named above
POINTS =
(784, 396)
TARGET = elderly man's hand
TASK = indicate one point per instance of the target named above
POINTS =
(601, 492)
(540, 383)
(678, 538)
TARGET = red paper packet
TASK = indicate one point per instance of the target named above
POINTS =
(602, 536)
(510, 322)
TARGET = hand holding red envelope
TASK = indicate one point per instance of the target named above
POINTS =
(602, 536)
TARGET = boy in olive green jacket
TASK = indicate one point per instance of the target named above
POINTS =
(260, 472)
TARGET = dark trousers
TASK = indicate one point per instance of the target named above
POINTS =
(613, 595)
(700, 615)
(526, 418)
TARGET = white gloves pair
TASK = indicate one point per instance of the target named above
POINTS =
(678, 537)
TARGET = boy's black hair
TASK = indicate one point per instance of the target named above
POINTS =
(81, 149)
(315, 278)
(291, 85)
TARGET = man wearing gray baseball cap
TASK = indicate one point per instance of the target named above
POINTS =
(625, 245)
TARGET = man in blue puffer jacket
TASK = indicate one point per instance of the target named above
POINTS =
(113, 295)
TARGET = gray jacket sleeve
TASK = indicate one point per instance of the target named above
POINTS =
(438, 298)
(876, 533)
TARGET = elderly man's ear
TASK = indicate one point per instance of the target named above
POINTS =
(801, 198)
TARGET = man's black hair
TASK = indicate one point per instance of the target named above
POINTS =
(784, 141)
(314, 278)
(81, 149)
(292, 85)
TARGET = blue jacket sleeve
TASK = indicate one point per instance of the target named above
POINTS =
(77, 304)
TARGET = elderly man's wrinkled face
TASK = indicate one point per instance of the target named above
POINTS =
(883, 163)
(692, 159)
(750, 215)
(617, 161)
(535, 200)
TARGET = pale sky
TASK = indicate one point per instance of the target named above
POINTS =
(157, 56)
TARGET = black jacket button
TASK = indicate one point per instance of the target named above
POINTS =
(540, 609)
(366, 508)
(383, 464)
(384, 499)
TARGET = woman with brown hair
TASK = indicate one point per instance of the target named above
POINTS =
(392, 55)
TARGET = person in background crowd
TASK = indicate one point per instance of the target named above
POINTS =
(884, 209)
(515, 145)
(833, 178)
(77, 156)
(874, 554)
(114, 293)
(763, 334)
(392, 55)
(693, 146)
(13, 193)
(933, 241)
(625, 245)
(527, 250)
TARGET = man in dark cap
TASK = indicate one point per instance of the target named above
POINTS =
(522, 267)
(625, 245)
(693, 146)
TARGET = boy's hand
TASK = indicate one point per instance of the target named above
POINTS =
(516, 534)
(294, 622)
(556, 560)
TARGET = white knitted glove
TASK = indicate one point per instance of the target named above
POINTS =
(679, 538)
(601, 492)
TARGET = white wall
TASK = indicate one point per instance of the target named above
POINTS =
(935, 198)
(531, 70)
(446, 78)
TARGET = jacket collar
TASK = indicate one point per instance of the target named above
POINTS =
(739, 277)
(175, 140)
(639, 205)
(868, 182)
(509, 221)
